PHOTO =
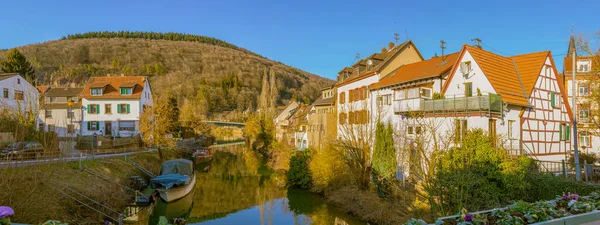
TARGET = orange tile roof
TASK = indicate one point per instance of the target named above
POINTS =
(529, 67)
(568, 64)
(357, 78)
(111, 87)
(420, 70)
(500, 72)
(42, 88)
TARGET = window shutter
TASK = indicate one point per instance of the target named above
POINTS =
(568, 137)
(89, 109)
(118, 108)
(127, 108)
(552, 100)
(89, 125)
(97, 108)
(560, 132)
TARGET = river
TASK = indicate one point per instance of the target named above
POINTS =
(240, 189)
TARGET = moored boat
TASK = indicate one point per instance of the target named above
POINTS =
(202, 159)
(176, 180)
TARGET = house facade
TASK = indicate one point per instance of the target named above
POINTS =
(353, 101)
(322, 119)
(282, 123)
(587, 69)
(18, 96)
(61, 111)
(519, 99)
(112, 106)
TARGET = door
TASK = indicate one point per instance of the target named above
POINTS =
(107, 128)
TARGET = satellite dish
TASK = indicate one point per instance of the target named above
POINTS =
(369, 62)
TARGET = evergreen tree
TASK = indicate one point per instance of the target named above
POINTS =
(384, 157)
(17, 63)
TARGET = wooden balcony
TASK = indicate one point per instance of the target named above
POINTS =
(490, 103)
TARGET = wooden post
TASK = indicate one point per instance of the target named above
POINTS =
(564, 171)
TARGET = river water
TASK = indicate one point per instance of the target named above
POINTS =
(240, 189)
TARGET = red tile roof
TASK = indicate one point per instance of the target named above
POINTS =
(42, 88)
(111, 87)
(420, 70)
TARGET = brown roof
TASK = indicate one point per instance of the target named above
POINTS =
(529, 67)
(7, 75)
(500, 72)
(111, 87)
(63, 92)
(357, 78)
(42, 88)
(128, 84)
(299, 115)
(325, 101)
(568, 65)
(433, 67)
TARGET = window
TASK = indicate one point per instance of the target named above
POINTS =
(342, 97)
(418, 130)
(48, 113)
(460, 130)
(411, 130)
(468, 89)
(126, 126)
(492, 130)
(18, 81)
(123, 108)
(41, 128)
(564, 132)
(413, 93)
(70, 129)
(18, 95)
(51, 128)
(426, 93)
(384, 99)
(70, 114)
(93, 109)
(584, 138)
(510, 125)
(5, 93)
(401, 94)
(555, 100)
(51, 99)
(584, 114)
(107, 109)
(584, 90)
(126, 91)
(342, 118)
(584, 65)
(96, 91)
(93, 125)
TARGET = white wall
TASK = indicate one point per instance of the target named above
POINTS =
(113, 117)
(30, 101)
(357, 105)
(60, 121)
(476, 77)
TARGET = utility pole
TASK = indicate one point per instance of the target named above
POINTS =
(443, 46)
(574, 105)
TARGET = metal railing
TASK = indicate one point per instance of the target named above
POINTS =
(491, 103)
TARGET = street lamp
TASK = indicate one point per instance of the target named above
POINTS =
(70, 114)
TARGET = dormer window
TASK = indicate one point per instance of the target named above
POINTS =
(126, 91)
(96, 91)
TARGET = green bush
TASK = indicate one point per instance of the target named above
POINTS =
(548, 186)
(583, 157)
(299, 173)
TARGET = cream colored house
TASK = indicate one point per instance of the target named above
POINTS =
(322, 119)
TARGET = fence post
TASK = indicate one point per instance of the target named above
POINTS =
(585, 170)
(564, 171)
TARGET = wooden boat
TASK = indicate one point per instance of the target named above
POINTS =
(202, 159)
(176, 180)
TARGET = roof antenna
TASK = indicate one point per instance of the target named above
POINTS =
(396, 37)
(406, 32)
(443, 46)
(478, 44)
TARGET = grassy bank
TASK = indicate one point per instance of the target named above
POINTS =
(31, 191)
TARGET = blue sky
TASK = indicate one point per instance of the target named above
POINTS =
(317, 36)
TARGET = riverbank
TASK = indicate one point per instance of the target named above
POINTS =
(31, 191)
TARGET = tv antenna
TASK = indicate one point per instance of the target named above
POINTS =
(478, 42)
(396, 37)
(443, 46)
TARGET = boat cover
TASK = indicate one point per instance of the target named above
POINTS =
(6, 211)
(169, 180)
(177, 166)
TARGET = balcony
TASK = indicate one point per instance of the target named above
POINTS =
(490, 103)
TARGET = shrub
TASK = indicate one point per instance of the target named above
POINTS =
(299, 173)
(384, 158)
(583, 157)
(326, 168)
(548, 186)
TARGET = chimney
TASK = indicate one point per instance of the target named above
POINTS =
(383, 50)
(390, 45)
(72, 84)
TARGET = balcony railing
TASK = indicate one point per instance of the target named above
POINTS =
(491, 103)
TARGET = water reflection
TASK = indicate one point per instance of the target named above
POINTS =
(240, 189)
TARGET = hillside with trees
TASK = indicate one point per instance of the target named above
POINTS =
(208, 75)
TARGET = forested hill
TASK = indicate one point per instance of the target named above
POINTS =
(220, 75)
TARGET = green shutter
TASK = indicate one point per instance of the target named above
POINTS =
(89, 125)
(568, 133)
(89, 109)
(122, 91)
(560, 132)
(97, 108)
(118, 108)
(552, 99)
(127, 108)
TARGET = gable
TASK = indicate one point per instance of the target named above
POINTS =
(410, 54)
(455, 84)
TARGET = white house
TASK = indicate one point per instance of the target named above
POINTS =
(518, 98)
(353, 104)
(112, 106)
(56, 113)
(18, 95)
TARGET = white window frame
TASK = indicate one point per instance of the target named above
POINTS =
(128, 128)
(96, 91)
(584, 90)
(586, 64)
(585, 139)
(426, 93)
